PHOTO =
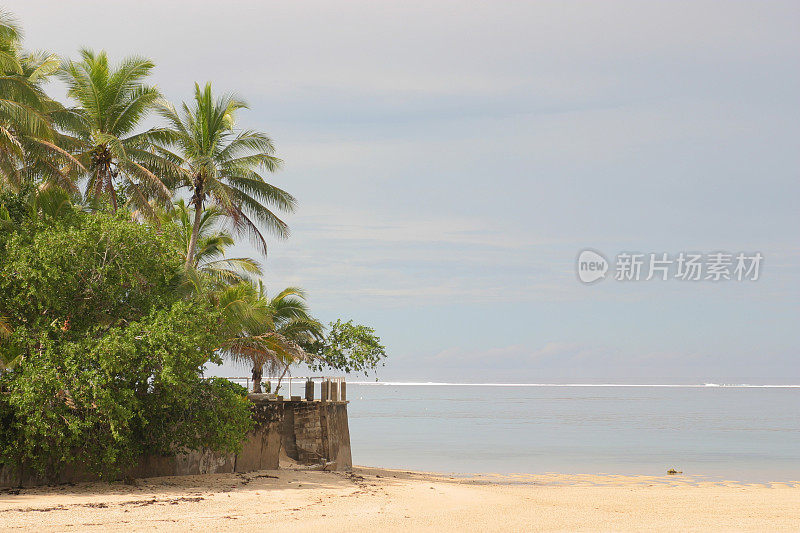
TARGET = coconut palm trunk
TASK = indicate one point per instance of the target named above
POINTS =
(107, 182)
(258, 372)
(198, 217)
(285, 370)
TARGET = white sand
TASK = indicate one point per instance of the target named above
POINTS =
(379, 500)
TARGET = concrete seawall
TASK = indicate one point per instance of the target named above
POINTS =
(309, 432)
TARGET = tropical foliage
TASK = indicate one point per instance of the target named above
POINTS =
(348, 347)
(108, 354)
(211, 241)
(224, 165)
(116, 285)
(30, 146)
(268, 332)
(101, 131)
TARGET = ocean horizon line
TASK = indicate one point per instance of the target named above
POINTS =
(670, 385)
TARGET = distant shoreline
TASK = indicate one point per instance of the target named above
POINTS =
(689, 386)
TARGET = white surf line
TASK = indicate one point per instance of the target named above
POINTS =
(689, 386)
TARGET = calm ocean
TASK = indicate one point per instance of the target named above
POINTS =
(738, 433)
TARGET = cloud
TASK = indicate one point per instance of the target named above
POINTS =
(452, 158)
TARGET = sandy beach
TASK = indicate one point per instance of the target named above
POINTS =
(369, 499)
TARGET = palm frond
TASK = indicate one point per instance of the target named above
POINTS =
(222, 163)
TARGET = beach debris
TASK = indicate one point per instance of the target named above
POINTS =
(672, 472)
(325, 465)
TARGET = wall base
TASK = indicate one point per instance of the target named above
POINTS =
(308, 432)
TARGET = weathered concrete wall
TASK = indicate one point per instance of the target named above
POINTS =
(339, 436)
(308, 432)
(317, 433)
(196, 462)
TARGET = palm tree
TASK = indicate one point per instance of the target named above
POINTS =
(48, 158)
(267, 332)
(18, 104)
(223, 165)
(29, 145)
(101, 131)
(209, 259)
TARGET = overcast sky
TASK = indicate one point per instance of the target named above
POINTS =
(452, 158)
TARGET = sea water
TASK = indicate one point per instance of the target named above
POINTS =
(721, 432)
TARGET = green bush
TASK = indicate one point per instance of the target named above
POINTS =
(111, 353)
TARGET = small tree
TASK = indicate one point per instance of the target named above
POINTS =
(266, 332)
(348, 347)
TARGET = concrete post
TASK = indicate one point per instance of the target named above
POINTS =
(343, 391)
(324, 389)
(309, 391)
(334, 391)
